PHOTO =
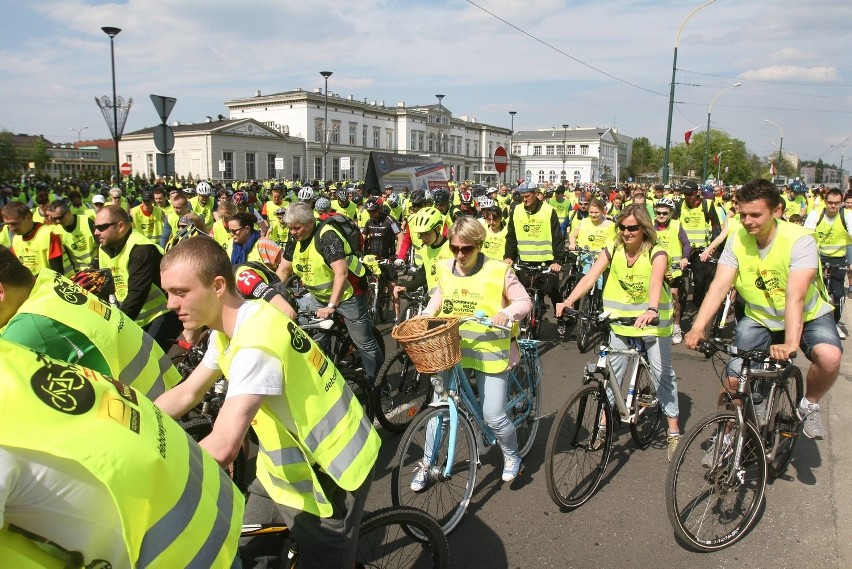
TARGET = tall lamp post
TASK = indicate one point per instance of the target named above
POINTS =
(564, 148)
(719, 166)
(440, 123)
(780, 147)
(512, 146)
(79, 132)
(325, 140)
(707, 142)
(672, 92)
(112, 32)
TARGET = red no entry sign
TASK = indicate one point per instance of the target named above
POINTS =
(501, 159)
(126, 169)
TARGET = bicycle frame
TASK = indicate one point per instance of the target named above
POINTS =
(622, 403)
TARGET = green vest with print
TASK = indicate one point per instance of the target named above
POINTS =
(316, 275)
(695, 224)
(626, 294)
(80, 244)
(532, 231)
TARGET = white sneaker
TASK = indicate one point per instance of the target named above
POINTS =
(709, 459)
(511, 467)
(812, 426)
(421, 479)
(677, 335)
(841, 333)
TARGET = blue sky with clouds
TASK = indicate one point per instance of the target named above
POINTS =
(605, 63)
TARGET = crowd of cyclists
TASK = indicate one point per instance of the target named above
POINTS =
(108, 278)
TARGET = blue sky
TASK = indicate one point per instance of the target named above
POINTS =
(791, 57)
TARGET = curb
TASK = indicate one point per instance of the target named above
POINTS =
(840, 449)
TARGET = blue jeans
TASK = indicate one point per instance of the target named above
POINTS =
(751, 335)
(660, 359)
(354, 312)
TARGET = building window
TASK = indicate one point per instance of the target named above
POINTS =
(353, 133)
(444, 138)
(420, 136)
(467, 148)
(541, 176)
(412, 141)
(476, 148)
(335, 168)
(571, 150)
(270, 166)
(536, 150)
(550, 150)
(318, 125)
(318, 167)
(490, 148)
(552, 176)
(297, 168)
(528, 175)
(128, 158)
(584, 149)
(335, 132)
(364, 136)
(251, 166)
(431, 142)
(516, 149)
(560, 150)
(228, 157)
(576, 176)
(389, 139)
(377, 133)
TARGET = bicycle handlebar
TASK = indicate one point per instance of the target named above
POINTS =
(480, 318)
(711, 346)
(531, 268)
(604, 318)
(315, 323)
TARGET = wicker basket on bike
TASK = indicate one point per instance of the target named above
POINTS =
(433, 344)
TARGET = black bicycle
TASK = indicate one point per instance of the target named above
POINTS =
(587, 331)
(536, 279)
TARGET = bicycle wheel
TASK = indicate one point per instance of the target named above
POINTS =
(373, 298)
(401, 537)
(537, 316)
(426, 445)
(710, 506)
(578, 448)
(525, 389)
(783, 430)
(646, 408)
(359, 385)
(587, 331)
(683, 289)
(402, 392)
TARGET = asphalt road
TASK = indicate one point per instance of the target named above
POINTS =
(806, 521)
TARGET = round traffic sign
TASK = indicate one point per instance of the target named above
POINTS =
(126, 169)
(501, 159)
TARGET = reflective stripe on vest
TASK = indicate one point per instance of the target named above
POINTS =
(316, 275)
(626, 293)
(33, 253)
(494, 246)
(762, 283)
(532, 231)
(832, 236)
(595, 237)
(151, 226)
(155, 303)
(331, 432)
(80, 244)
(131, 447)
(695, 224)
(669, 241)
(482, 348)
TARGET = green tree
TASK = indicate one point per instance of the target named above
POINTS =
(645, 159)
(8, 156)
(40, 155)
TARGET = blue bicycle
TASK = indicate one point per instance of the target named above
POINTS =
(446, 439)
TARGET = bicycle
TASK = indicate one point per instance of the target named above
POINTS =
(403, 392)
(835, 270)
(571, 276)
(445, 438)
(717, 477)
(590, 305)
(720, 321)
(391, 537)
(530, 327)
(581, 438)
(378, 292)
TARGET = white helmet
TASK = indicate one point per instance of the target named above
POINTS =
(486, 203)
(306, 193)
(203, 189)
(393, 200)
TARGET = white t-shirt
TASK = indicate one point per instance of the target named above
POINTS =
(60, 500)
(254, 372)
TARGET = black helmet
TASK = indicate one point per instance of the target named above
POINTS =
(441, 196)
(420, 197)
(373, 203)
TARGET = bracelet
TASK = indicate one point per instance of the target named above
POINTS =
(652, 309)
(332, 306)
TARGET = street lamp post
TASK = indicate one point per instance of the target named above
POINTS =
(79, 132)
(325, 141)
(719, 166)
(112, 32)
(672, 92)
(564, 148)
(440, 122)
(707, 142)
(512, 146)
(780, 147)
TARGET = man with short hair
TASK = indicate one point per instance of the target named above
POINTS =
(134, 262)
(701, 223)
(149, 220)
(35, 244)
(77, 233)
(317, 448)
(773, 265)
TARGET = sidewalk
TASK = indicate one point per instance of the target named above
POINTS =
(840, 450)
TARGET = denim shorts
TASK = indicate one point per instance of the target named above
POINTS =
(750, 335)
(849, 255)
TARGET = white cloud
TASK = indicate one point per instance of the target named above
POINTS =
(790, 72)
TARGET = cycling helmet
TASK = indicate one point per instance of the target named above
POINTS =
(440, 196)
(393, 200)
(239, 198)
(203, 189)
(306, 193)
(426, 219)
(487, 203)
(666, 202)
(420, 197)
(727, 196)
(342, 195)
(465, 198)
(322, 205)
(357, 200)
(373, 203)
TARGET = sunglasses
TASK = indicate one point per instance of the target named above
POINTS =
(658, 212)
(104, 226)
(235, 231)
(464, 249)
(630, 228)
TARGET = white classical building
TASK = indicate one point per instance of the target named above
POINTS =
(578, 154)
(290, 127)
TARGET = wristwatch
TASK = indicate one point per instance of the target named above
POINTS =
(331, 305)
(653, 309)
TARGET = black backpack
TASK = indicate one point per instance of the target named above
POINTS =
(347, 228)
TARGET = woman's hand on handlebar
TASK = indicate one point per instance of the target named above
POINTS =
(646, 318)
(561, 306)
(705, 254)
(500, 319)
(555, 267)
(398, 290)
